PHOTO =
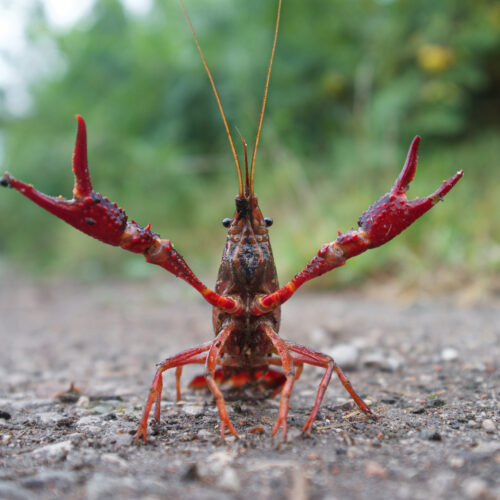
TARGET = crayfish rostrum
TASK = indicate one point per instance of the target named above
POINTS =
(247, 298)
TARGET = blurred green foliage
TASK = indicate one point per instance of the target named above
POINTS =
(353, 82)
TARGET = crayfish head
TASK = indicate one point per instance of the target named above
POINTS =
(247, 263)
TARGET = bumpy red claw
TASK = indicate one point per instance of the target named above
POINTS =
(383, 220)
(393, 212)
(88, 211)
(96, 216)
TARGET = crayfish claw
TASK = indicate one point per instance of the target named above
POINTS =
(410, 167)
(393, 212)
(445, 187)
(83, 184)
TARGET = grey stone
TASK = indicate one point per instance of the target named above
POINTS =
(229, 480)
(54, 451)
(449, 354)
(345, 355)
(50, 418)
(488, 425)
(114, 459)
(193, 410)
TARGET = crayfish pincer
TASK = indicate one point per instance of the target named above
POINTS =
(247, 298)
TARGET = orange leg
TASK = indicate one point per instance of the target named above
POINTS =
(298, 373)
(193, 355)
(287, 363)
(302, 354)
(210, 366)
(178, 373)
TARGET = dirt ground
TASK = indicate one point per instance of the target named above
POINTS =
(429, 367)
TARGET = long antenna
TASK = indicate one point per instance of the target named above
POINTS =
(264, 100)
(247, 177)
(214, 88)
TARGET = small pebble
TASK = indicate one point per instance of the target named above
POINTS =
(456, 462)
(487, 448)
(345, 355)
(488, 425)
(475, 487)
(374, 469)
(430, 434)
(5, 438)
(125, 440)
(393, 364)
(374, 358)
(5, 415)
(54, 451)
(89, 420)
(449, 354)
(193, 410)
(382, 361)
(229, 480)
(114, 459)
(204, 434)
(50, 418)
(83, 402)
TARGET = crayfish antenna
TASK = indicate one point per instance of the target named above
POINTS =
(247, 177)
(83, 184)
(219, 102)
(264, 99)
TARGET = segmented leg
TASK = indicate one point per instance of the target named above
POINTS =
(287, 364)
(178, 374)
(304, 355)
(298, 372)
(193, 355)
(211, 364)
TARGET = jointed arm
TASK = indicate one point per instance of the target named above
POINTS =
(384, 220)
(96, 216)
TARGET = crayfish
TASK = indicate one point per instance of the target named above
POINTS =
(247, 298)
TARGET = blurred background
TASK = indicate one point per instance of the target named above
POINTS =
(353, 82)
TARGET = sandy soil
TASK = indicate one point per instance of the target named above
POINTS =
(430, 369)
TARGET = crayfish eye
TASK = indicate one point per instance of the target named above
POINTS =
(226, 222)
(268, 221)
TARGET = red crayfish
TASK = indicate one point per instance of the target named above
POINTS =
(247, 298)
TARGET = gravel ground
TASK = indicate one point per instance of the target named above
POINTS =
(429, 367)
